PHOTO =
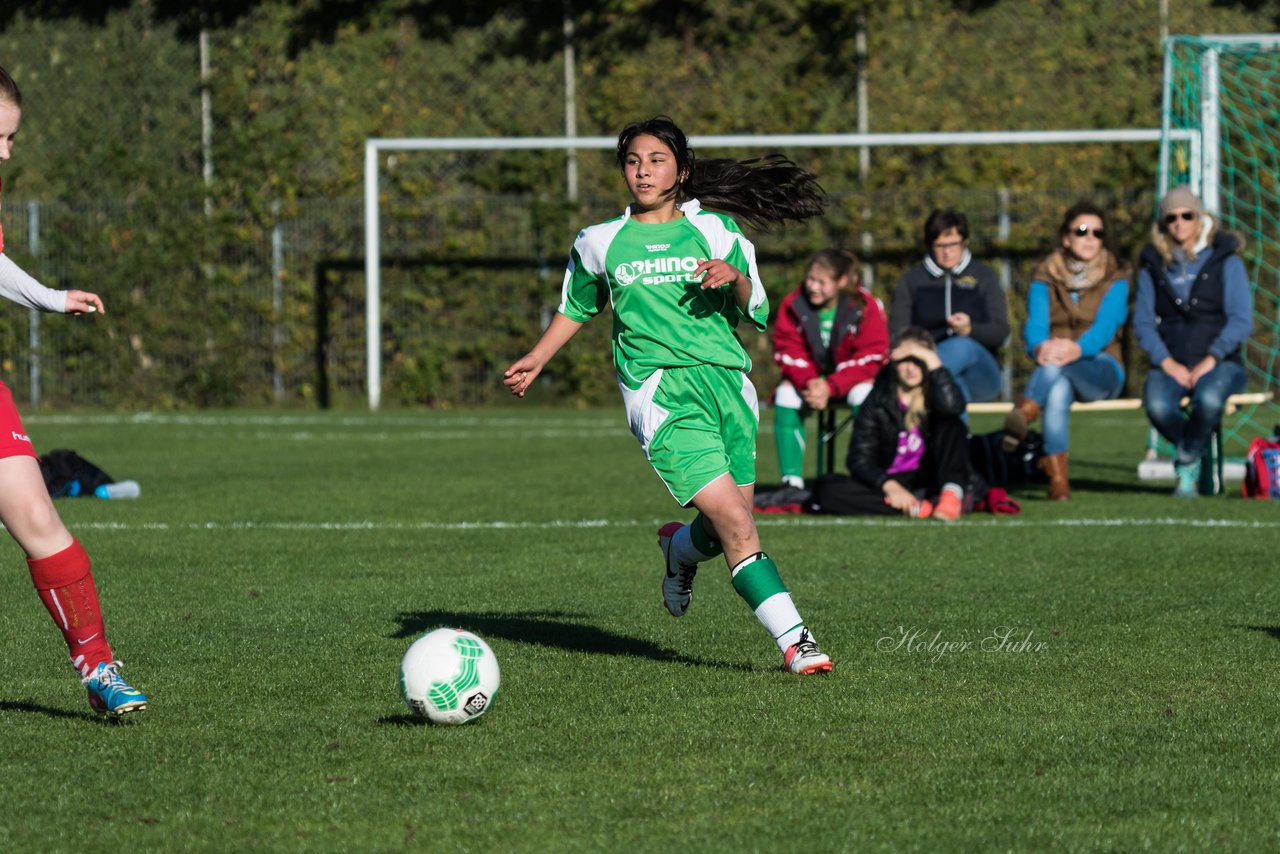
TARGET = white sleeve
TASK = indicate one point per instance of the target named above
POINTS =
(16, 285)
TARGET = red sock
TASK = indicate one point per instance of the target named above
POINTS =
(65, 584)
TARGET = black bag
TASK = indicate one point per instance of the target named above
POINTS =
(999, 468)
(67, 474)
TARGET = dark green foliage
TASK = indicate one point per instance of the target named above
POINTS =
(111, 155)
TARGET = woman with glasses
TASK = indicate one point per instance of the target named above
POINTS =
(959, 302)
(1076, 307)
(1192, 313)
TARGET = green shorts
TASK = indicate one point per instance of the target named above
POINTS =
(696, 424)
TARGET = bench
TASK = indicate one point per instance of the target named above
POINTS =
(1150, 469)
(1234, 403)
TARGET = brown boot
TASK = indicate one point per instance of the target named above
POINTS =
(1016, 423)
(1055, 465)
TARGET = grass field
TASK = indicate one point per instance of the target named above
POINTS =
(276, 567)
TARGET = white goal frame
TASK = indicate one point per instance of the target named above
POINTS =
(374, 147)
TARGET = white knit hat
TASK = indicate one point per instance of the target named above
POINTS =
(1179, 198)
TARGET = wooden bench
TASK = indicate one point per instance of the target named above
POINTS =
(1213, 469)
(1234, 403)
(829, 427)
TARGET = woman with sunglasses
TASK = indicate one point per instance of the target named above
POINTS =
(1076, 307)
(1192, 313)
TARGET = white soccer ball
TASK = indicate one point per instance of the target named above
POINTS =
(449, 676)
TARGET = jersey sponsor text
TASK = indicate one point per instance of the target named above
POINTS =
(654, 271)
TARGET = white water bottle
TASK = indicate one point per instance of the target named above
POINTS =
(119, 489)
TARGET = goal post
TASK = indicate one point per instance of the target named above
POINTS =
(376, 147)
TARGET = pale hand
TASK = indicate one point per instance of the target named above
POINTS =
(897, 497)
(521, 374)
(1177, 372)
(1058, 351)
(816, 394)
(1207, 364)
(914, 350)
(718, 273)
(83, 302)
(960, 323)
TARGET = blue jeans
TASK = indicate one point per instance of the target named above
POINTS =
(976, 371)
(1056, 387)
(1189, 434)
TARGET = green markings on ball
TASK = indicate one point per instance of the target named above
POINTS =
(444, 695)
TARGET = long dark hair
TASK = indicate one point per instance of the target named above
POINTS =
(763, 191)
(9, 91)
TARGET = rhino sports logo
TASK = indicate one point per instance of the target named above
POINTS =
(656, 271)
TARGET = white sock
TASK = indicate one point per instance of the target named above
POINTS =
(955, 488)
(793, 480)
(683, 550)
(792, 635)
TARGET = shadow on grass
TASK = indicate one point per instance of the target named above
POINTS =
(50, 712)
(1085, 484)
(408, 720)
(1274, 631)
(1088, 484)
(549, 628)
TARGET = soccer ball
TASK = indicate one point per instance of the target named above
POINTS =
(449, 676)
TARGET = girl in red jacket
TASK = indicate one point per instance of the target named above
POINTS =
(830, 339)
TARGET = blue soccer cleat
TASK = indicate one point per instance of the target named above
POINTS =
(109, 694)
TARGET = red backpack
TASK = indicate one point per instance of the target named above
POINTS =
(1262, 468)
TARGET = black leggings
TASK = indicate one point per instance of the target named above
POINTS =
(945, 460)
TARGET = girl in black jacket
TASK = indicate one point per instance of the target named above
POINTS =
(909, 452)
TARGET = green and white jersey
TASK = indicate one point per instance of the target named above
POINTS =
(662, 317)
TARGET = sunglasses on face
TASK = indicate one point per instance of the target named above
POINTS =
(1084, 230)
(1170, 219)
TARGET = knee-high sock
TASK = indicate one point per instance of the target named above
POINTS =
(757, 581)
(788, 436)
(65, 584)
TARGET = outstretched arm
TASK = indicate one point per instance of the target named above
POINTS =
(18, 286)
(525, 370)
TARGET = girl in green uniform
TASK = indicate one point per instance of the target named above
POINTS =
(680, 279)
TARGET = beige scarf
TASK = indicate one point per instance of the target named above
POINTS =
(1076, 275)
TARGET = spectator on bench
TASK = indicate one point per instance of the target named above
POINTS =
(1192, 313)
(829, 340)
(959, 302)
(1076, 307)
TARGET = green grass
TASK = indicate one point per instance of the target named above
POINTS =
(275, 569)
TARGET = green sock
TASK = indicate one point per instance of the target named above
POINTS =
(757, 581)
(788, 435)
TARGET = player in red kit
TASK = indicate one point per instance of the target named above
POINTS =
(59, 565)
